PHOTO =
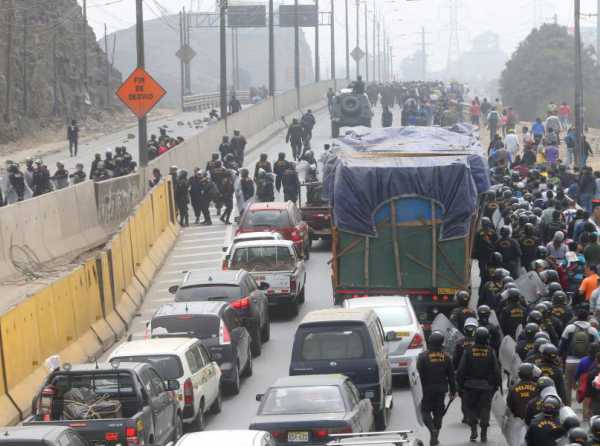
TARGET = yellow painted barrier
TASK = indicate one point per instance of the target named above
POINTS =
(66, 324)
(98, 324)
(9, 414)
(112, 318)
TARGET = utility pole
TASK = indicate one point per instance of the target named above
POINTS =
(332, 38)
(598, 31)
(366, 45)
(374, 41)
(272, 50)
(379, 51)
(181, 64)
(357, 36)
(233, 59)
(223, 60)
(141, 63)
(188, 67)
(296, 54)
(55, 71)
(579, 149)
(25, 86)
(317, 61)
(84, 37)
(107, 80)
(347, 43)
(9, 30)
(424, 55)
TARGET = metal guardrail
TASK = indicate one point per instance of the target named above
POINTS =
(205, 101)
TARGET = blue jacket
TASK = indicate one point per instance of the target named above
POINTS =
(538, 128)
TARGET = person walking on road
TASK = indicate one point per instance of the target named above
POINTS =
(235, 105)
(279, 168)
(73, 138)
(493, 120)
(182, 199)
(291, 184)
(264, 164)
(79, 175)
(238, 147)
(387, 117)
(227, 191)
(60, 177)
(437, 378)
(478, 378)
(265, 189)
(294, 137)
(195, 186)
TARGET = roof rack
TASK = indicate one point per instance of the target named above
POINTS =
(397, 438)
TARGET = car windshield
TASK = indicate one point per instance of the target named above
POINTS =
(272, 218)
(332, 345)
(205, 326)
(394, 316)
(208, 292)
(263, 258)
(302, 400)
(167, 366)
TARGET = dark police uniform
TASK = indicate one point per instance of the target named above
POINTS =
(519, 397)
(544, 430)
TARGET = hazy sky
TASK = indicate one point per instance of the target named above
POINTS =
(511, 19)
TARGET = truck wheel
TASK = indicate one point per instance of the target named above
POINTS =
(266, 331)
(256, 341)
(233, 387)
(301, 296)
(335, 130)
(382, 418)
(178, 431)
(292, 309)
(218, 403)
(198, 423)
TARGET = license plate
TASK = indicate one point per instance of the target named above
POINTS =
(402, 334)
(448, 291)
(297, 437)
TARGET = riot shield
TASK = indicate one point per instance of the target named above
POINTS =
(452, 336)
(499, 409)
(494, 321)
(416, 390)
(518, 331)
(509, 359)
(530, 285)
(514, 431)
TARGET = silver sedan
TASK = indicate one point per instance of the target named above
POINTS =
(404, 336)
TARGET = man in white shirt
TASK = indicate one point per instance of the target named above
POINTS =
(511, 143)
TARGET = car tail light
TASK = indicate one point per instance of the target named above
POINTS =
(46, 402)
(111, 436)
(278, 435)
(224, 336)
(188, 392)
(240, 304)
(224, 266)
(292, 285)
(417, 341)
(131, 434)
(324, 433)
(184, 317)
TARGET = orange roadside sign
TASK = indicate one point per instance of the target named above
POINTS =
(140, 92)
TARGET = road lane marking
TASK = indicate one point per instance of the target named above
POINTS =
(199, 262)
(198, 254)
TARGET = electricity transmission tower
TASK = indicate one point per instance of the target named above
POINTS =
(454, 41)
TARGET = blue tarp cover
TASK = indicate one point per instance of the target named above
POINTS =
(373, 166)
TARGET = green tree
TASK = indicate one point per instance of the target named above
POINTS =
(542, 69)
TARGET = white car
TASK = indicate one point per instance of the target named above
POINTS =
(186, 360)
(404, 337)
(248, 237)
(229, 437)
(277, 263)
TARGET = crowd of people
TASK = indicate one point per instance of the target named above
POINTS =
(541, 217)
(224, 178)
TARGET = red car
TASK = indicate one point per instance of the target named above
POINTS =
(284, 218)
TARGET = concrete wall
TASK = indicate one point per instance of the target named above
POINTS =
(78, 218)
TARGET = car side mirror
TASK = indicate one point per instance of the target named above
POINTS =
(172, 385)
(264, 286)
(173, 289)
(390, 336)
(259, 397)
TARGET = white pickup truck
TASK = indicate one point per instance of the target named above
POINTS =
(277, 263)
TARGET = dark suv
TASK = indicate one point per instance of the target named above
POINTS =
(220, 329)
(240, 290)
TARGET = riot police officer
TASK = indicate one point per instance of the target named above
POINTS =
(483, 314)
(294, 137)
(526, 340)
(513, 315)
(595, 431)
(437, 378)
(238, 147)
(478, 378)
(529, 243)
(524, 391)
(560, 309)
(550, 366)
(490, 291)
(225, 147)
(94, 166)
(264, 164)
(462, 312)
(212, 164)
(227, 191)
(577, 436)
(467, 342)
(510, 250)
(16, 185)
(279, 168)
(246, 184)
(218, 176)
(485, 245)
(534, 407)
(291, 184)
(182, 198)
(265, 190)
(545, 429)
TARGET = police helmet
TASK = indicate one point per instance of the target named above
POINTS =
(482, 336)
(537, 212)
(540, 264)
(578, 435)
(436, 340)
(542, 335)
(526, 371)
(507, 279)
(554, 287)
(308, 153)
(462, 297)
(523, 220)
(544, 382)
(531, 329)
(535, 316)
(486, 223)
(484, 312)
(215, 156)
(539, 343)
(559, 297)
(513, 295)
(551, 405)
(510, 285)
(595, 426)
(496, 258)
(263, 156)
(500, 274)
(549, 276)
(504, 232)
(549, 352)
(228, 157)
(470, 326)
(507, 194)
(541, 252)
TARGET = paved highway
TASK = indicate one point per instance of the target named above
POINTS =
(199, 247)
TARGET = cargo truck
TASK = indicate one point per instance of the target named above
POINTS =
(404, 206)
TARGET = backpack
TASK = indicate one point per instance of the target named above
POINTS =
(580, 342)
(494, 117)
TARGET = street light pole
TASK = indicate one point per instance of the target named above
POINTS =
(579, 149)
(271, 50)
(357, 36)
(347, 43)
(366, 45)
(332, 38)
(141, 62)
(296, 54)
(223, 60)
(317, 61)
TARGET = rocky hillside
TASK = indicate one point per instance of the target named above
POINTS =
(42, 82)
(162, 42)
